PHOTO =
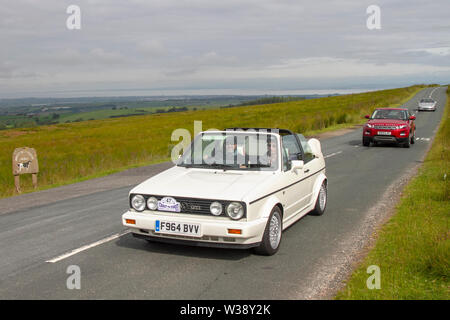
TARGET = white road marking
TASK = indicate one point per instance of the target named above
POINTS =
(88, 246)
(432, 92)
(332, 154)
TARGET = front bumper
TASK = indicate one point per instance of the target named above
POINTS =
(396, 136)
(214, 230)
(196, 243)
(389, 139)
(426, 108)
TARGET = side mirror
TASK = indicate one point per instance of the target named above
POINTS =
(297, 165)
(367, 116)
(316, 147)
(412, 118)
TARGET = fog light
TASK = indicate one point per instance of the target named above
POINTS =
(152, 203)
(216, 208)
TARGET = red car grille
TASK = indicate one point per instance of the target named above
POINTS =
(385, 127)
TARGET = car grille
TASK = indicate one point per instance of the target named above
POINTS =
(192, 205)
(385, 127)
(195, 205)
(385, 138)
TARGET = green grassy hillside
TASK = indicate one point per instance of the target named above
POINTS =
(70, 152)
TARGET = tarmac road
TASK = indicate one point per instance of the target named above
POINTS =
(114, 265)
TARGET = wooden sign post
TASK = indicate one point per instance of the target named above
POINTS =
(24, 160)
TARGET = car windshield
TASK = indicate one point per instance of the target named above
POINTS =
(232, 151)
(427, 100)
(390, 114)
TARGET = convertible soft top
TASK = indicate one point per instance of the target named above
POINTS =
(280, 131)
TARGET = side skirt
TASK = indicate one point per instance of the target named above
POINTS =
(295, 217)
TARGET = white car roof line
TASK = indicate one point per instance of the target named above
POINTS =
(243, 131)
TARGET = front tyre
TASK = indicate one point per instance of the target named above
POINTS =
(321, 202)
(366, 142)
(272, 234)
(407, 143)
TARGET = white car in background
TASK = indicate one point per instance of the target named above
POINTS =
(237, 188)
(427, 104)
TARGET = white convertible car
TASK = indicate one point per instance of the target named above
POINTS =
(237, 188)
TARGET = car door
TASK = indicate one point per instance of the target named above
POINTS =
(297, 192)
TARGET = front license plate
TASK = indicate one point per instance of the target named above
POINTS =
(384, 133)
(188, 229)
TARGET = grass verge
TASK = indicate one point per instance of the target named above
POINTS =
(413, 247)
(74, 151)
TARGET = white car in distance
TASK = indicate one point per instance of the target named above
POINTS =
(236, 188)
(427, 104)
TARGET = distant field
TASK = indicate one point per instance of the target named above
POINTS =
(32, 112)
(112, 113)
(73, 151)
(413, 248)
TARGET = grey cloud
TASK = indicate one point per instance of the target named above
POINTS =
(153, 48)
(209, 43)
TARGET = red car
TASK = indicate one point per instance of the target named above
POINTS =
(390, 125)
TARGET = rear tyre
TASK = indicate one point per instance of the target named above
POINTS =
(366, 142)
(321, 202)
(272, 234)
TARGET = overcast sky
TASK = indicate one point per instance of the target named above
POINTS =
(213, 46)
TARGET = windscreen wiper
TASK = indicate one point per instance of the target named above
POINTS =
(222, 166)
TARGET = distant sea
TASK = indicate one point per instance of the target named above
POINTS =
(184, 92)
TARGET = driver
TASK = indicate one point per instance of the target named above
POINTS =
(233, 152)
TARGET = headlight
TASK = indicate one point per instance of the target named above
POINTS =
(216, 208)
(138, 202)
(369, 125)
(152, 203)
(403, 126)
(235, 210)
